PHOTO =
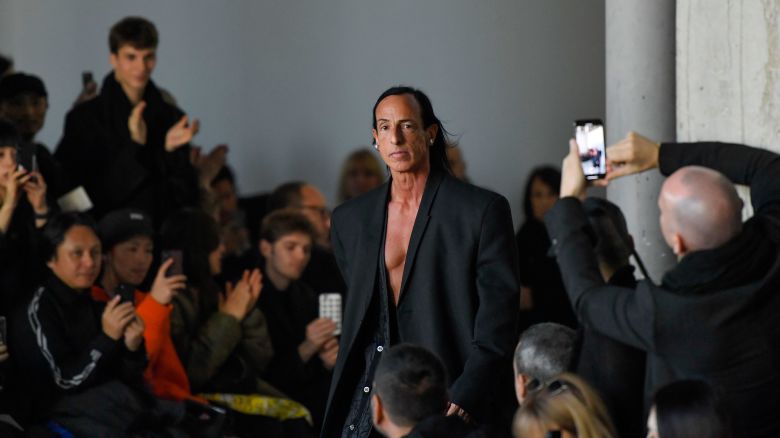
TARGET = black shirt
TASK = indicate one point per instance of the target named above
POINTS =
(378, 334)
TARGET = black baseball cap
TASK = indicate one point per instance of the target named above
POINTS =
(121, 225)
(20, 83)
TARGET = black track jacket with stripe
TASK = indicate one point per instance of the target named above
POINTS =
(58, 344)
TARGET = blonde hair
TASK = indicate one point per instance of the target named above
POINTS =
(566, 403)
(360, 157)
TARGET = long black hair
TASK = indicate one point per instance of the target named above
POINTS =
(196, 235)
(438, 150)
(548, 175)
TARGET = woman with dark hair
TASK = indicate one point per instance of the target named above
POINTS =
(220, 335)
(542, 297)
(688, 409)
(23, 211)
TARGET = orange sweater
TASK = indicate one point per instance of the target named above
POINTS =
(164, 373)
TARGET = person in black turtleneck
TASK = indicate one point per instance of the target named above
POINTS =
(128, 147)
(305, 347)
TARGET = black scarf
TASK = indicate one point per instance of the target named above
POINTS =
(744, 259)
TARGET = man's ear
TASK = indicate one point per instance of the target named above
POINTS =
(113, 59)
(265, 248)
(432, 131)
(377, 416)
(678, 245)
(521, 391)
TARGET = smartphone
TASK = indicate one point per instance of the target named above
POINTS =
(330, 307)
(177, 268)
(126, 293)
(26, 158)
(589, 134)
(3, 330)
(86, 78)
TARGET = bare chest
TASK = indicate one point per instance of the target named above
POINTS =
(400, 223)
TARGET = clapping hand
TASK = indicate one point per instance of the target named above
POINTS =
(238, 301)
(181, 133)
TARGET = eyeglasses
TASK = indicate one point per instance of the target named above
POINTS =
(552, 388)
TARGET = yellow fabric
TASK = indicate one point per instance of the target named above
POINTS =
(254, 404)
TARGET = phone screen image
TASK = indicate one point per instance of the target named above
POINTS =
(593, 154)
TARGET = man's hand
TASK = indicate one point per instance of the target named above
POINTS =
(181, 133)
(136, 124)
(165, 288)
(573, 181)
(134, 333)
(318, 332)
(329, 353)
(454, 409)
(631, 155)
(116, 317)
(240, 300)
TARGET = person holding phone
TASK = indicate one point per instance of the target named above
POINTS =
(23, 211)
(714, 314)
(305, 346)
(24, 102)
(128, 248)
(82, 358)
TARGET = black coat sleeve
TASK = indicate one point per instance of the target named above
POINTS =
(757, 168)
(624, 315)
(71, 370)
(495, 325)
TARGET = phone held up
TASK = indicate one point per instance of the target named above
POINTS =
(126, 293)
(330, 307)
(589, 134)
(177, 268)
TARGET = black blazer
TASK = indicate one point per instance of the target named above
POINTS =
(459, 293)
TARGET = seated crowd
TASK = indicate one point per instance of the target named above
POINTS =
(140, 295)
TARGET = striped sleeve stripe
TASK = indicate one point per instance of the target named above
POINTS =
(40, 337)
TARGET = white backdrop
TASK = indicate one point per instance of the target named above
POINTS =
(290, 85)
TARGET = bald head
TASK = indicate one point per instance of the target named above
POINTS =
(700, 209)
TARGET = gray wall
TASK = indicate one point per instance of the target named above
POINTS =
(290, 85)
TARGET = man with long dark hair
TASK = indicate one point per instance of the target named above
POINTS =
(427, 259)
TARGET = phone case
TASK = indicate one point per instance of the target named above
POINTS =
(330, 307)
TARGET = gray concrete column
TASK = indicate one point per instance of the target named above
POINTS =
(640, 83)
(728, 73)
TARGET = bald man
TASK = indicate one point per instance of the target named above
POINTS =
(716, 315)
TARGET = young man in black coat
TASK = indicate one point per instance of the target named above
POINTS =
(128, 147)
(305, 345)
(714, 316)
